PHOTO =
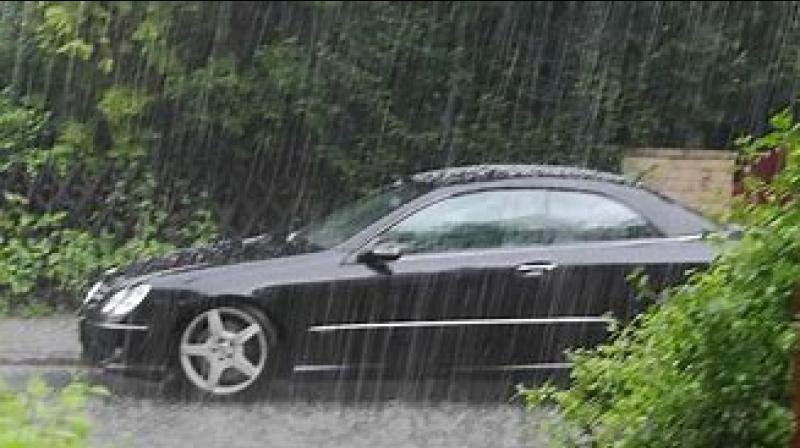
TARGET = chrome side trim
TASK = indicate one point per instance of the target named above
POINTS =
(117, 326)
(633, 242)
(461, 322)
(518, 367)
(319, 368)
(498, 368)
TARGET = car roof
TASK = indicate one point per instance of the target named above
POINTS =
(668, 215)
(470, 174)
(483, 173)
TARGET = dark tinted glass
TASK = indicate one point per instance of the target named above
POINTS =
(516, 218)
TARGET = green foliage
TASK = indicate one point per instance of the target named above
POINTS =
(40, 255)
(43, 257)
(46, 255)
(120, 105)
(122, 109)
(364, 91)
(74, 140)
(75, 30)
(41, 416)
(23, 131)
(711, 365)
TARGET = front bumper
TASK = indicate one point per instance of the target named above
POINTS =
(125, 348)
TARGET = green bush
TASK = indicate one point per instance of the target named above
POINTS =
(711, 366)
(51, 247)
(41, 416)
(39, 255)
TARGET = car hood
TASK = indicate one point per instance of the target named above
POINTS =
(219, 253)
(245, 278)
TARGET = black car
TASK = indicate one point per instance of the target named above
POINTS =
(460, 270)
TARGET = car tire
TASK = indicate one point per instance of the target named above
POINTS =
(224, 352)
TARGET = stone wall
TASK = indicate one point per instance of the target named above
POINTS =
(701, 179)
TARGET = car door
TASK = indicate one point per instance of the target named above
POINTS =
(509, 294)
(433, 307)
(582, 278)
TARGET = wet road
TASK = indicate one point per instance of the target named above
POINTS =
(295, 414)
(147, 423)
(320, 414)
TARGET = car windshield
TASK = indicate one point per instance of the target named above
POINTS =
(348, 220)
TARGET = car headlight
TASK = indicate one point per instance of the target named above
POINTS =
(125, 300)
(92, 291)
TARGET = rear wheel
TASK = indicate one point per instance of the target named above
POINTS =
(225, 350)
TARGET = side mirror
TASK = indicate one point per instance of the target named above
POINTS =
(380, 254)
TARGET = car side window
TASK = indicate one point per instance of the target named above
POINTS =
(592, 217)
(516, 218)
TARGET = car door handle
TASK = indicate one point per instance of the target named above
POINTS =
(535, 269)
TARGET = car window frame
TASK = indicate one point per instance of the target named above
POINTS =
(441, 194)
(657, 232)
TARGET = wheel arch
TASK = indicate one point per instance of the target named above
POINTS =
(188, 309)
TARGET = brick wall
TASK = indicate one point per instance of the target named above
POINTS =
(701, 179)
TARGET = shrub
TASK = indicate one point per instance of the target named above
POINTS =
(711, 365)
(41, 258)
(41, 416)
(52, 241)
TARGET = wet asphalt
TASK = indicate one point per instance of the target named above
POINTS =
(318, 413)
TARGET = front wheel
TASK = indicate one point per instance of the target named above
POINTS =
(224, 350)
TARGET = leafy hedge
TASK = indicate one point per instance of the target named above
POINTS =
(41, 416)
(711, 366)
(41, 256)
(55, 236)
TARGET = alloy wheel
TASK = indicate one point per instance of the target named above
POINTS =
(223, 350)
